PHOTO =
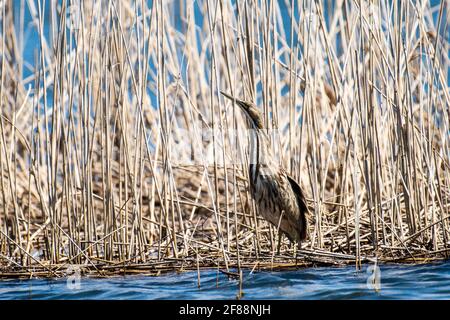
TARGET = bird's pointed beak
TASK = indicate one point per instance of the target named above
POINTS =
(249, 110)
(239, 102)
(243, 105)
(228, 95)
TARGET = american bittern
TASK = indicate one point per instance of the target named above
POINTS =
(279, 198)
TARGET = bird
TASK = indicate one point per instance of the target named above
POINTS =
(279, 198)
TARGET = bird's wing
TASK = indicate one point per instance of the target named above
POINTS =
(302, 206)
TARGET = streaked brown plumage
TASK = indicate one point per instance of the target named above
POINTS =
(277, 195)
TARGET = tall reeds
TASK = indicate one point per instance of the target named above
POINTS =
(117, 150)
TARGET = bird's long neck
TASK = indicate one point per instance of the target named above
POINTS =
(254, 146)
(260, 152)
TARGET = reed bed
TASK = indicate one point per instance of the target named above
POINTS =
(118, 154)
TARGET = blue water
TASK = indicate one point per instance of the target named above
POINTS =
(431, 281)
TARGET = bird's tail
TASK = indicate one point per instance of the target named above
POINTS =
(303, 223)
(303, 208)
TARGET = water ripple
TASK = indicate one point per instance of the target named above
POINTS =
(431, 281)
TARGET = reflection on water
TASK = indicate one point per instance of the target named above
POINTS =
(430, 281)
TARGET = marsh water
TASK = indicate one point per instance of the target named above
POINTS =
(426, 281)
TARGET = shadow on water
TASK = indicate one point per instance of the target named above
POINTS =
(431, 281)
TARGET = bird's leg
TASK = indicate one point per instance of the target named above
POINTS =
(280, 235)
(293, 246)
(296, 251)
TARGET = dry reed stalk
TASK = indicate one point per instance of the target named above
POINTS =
(116, 151)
